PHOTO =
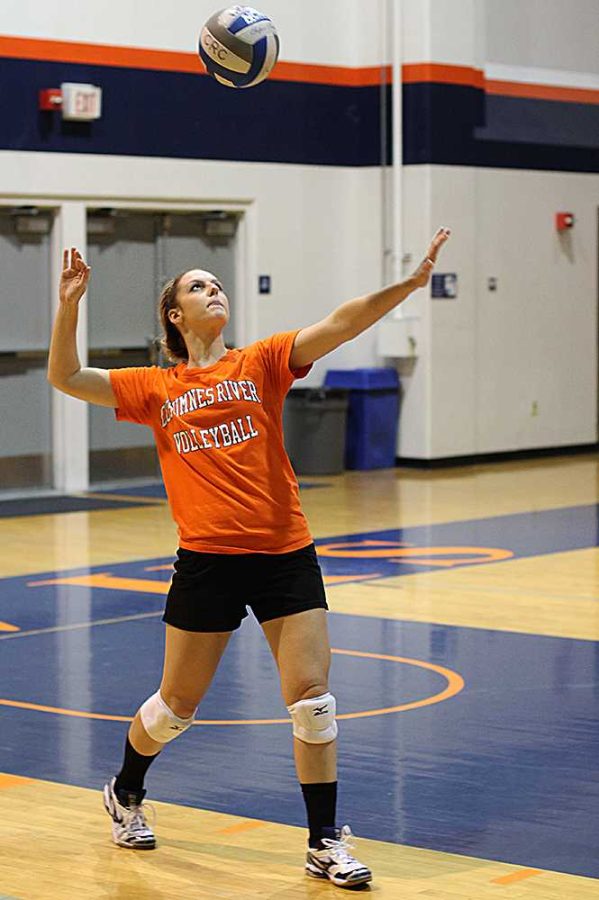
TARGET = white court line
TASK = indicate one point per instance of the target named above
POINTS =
(78, 625)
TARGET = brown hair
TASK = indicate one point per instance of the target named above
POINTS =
(172, 340)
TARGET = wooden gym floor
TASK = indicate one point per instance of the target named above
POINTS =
(465, 627)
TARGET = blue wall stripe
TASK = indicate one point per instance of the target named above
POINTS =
(166, 114)
(148, 113)
(456, 125)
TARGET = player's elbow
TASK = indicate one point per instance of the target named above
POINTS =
(59, 380)
(55, 377)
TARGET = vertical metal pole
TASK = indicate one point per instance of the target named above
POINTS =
(70, 437)
(397, 132)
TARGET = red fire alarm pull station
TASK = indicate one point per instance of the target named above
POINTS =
(50, 98)
(77, 102)
(564, 220)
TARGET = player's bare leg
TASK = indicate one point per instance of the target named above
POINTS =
(300, 646)
(190, 661)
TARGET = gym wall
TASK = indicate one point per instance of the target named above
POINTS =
(494, 370)
(503, 134)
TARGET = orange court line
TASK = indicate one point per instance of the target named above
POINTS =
(455, 683)
(6, 626)
(150, 586)
(111, 582)
(241, 826)
(13, 780)
(516, 876)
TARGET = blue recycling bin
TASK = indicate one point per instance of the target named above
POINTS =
(372, 416)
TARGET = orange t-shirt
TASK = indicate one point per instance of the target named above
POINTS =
(219, 437)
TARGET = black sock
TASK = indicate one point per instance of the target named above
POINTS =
(321, 806)
(135, 765)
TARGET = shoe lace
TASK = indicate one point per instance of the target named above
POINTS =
(134, 817)
(341, 846)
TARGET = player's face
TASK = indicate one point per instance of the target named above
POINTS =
(201, 300)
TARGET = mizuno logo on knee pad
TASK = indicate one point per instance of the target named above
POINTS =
(160, 722)
(314, 719)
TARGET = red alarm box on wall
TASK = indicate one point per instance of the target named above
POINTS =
(564, 220)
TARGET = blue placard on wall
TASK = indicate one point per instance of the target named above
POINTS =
(264, 284)
(444, 286)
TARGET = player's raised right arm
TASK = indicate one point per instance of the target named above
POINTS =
(64, 368)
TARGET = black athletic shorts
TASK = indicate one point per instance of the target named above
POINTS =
(210, 591)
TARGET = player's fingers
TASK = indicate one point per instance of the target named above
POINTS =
(65, 260)
(437, 242)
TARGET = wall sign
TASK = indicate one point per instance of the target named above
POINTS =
(264, 284)
(444, 286)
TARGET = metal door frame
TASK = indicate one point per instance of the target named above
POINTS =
(70, 438)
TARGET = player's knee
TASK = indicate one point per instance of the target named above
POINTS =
(160, 722)
(314, 719)
(179, 704)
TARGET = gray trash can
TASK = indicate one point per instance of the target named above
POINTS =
(314, 425)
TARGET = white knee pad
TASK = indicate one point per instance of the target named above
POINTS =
(314, 719)
(159, 720)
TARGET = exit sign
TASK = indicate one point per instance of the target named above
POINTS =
(81, 102)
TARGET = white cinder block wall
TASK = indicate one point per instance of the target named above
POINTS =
(503, 370)
(515, 368)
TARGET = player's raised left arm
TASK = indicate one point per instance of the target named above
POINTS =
(352, 318)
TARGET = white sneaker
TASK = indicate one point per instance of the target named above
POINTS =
(129, 826)
(335, 863)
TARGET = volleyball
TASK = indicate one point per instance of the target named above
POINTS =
(239, 46)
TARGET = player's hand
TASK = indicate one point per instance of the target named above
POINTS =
(74, 277)
(423, 273)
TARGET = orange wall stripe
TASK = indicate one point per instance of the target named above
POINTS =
(99, 55)
(542, 92)
(341, 76)
(173, 61)
(307, 73)
(444, 74)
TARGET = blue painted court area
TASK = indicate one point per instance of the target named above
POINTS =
(504, 767)
(403, 551)
(507, 769)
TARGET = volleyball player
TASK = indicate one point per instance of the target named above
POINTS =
(216, 418)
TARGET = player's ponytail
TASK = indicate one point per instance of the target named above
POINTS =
(172, 340)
